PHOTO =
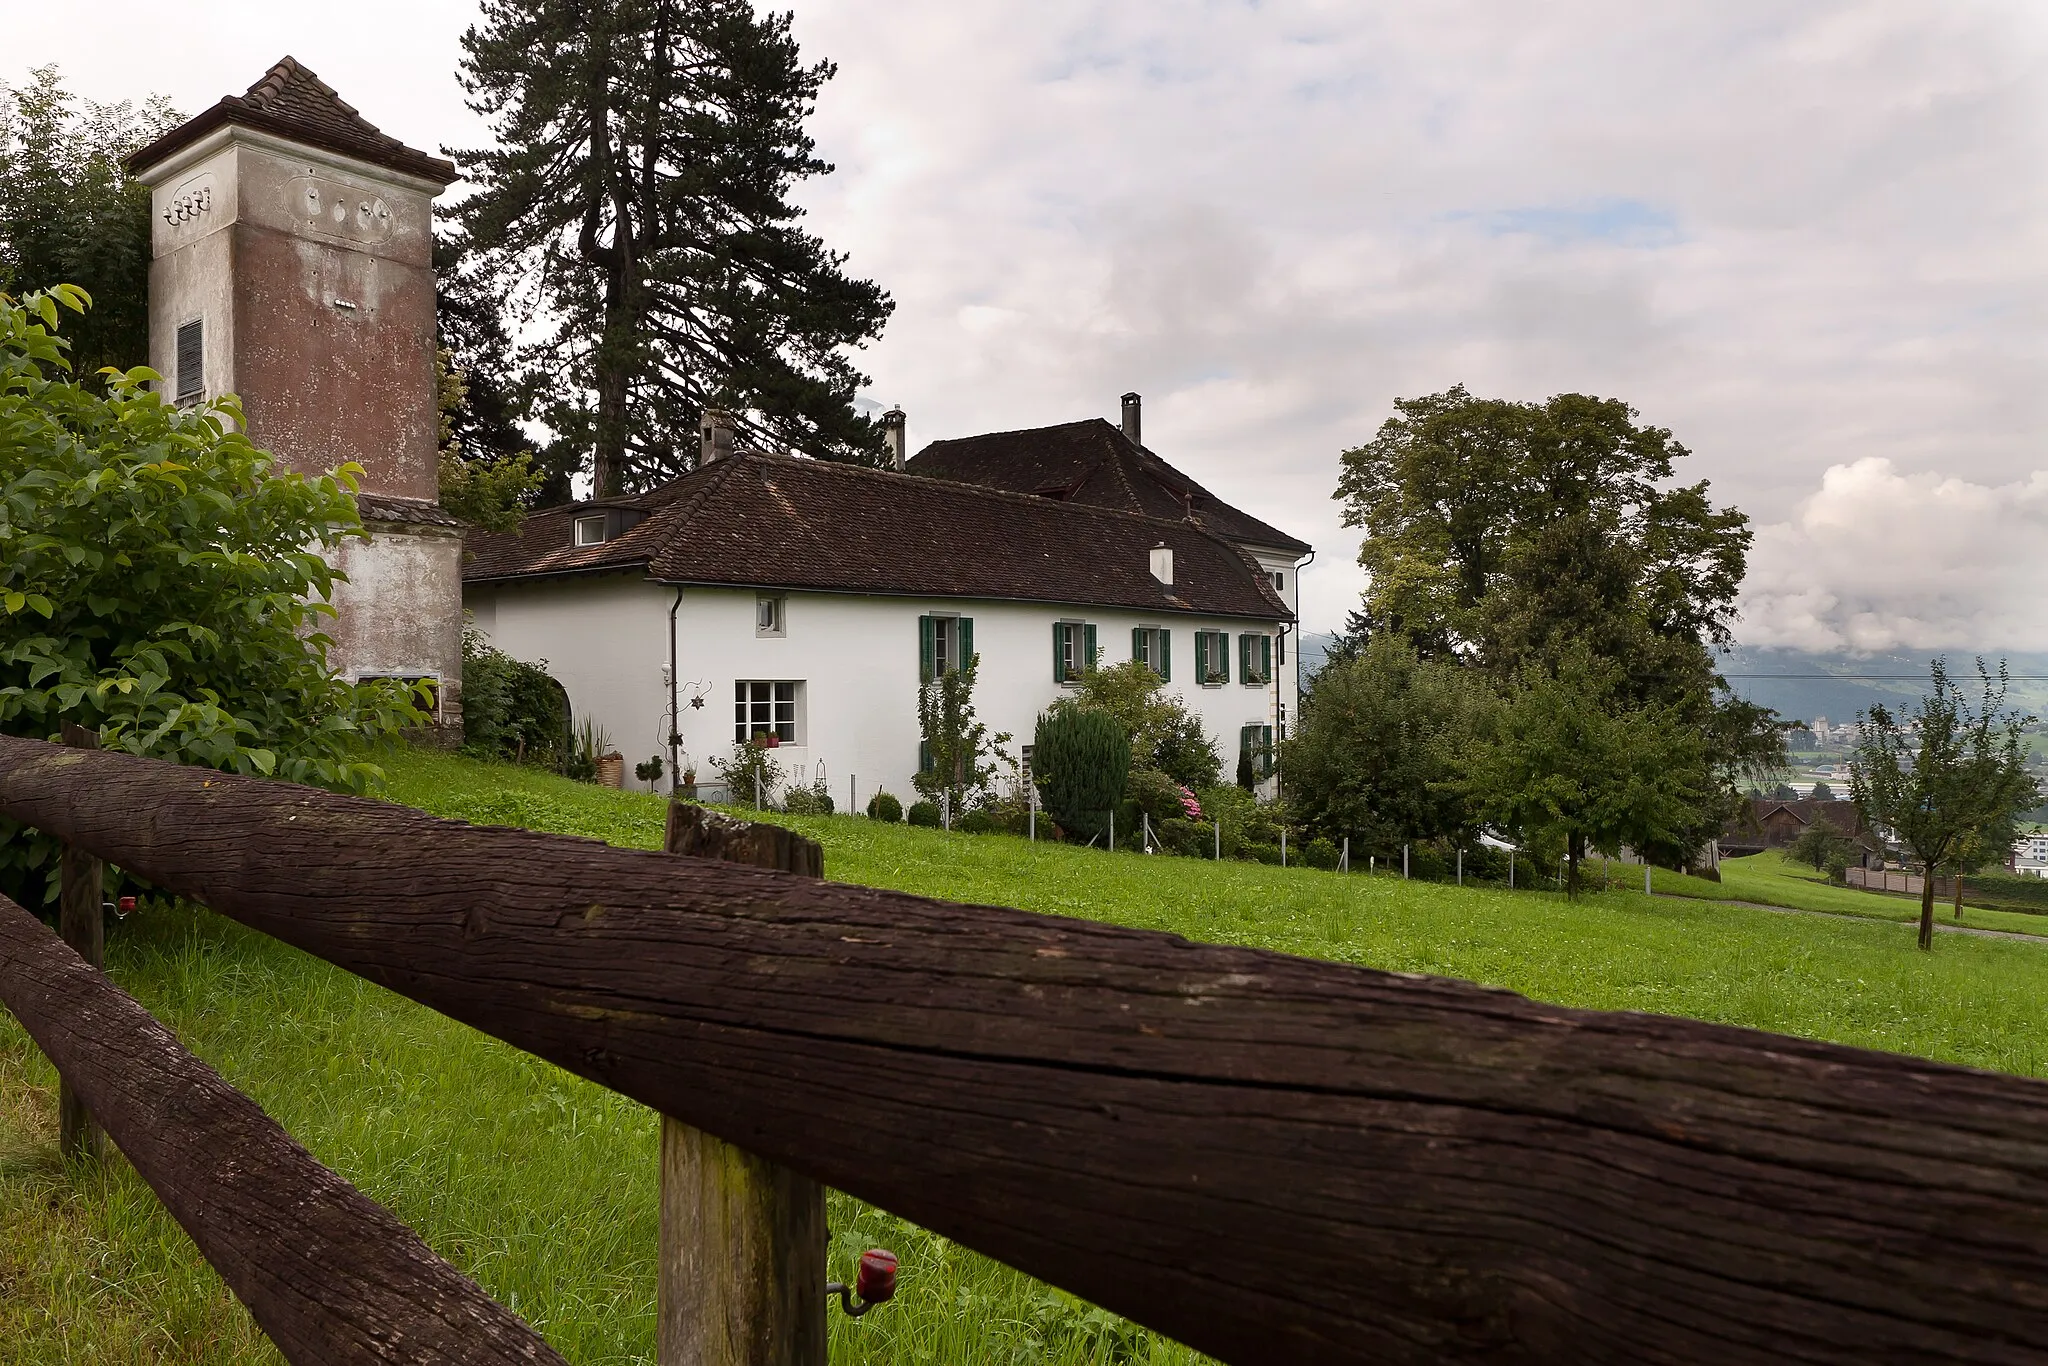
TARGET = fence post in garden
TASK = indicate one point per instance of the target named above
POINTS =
(82, 924)
(1145, 826)
(853, 794)
(1219, 840)
(1404, 863)
(742, 1267)
(1461, 865)
(1646, 877)
(1112, 830)
(1511, 870)
(1344, 859)
(1031, 812)
(1283, 846)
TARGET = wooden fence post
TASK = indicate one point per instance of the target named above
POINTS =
(81, 924)
(742, 1278)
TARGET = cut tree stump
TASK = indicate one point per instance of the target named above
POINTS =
(742, 1279)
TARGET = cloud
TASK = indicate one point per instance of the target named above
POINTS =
(1801, 236)
(1878, 560)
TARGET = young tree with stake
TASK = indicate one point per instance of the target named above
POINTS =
(1943, 774)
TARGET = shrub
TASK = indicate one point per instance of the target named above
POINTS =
(511, 709)
(161, 583)
(750, 774)
(1081, 760)
(977, 822)
(814, 800)
(1244, 821)
(884, 806)
(650, 771)
(1319, 853)
(1155, 794)
(1260, 853)
(925, 814)
(1195, 839)
(1164, 734)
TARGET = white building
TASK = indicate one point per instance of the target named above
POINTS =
(2030, 854)
(806, 600)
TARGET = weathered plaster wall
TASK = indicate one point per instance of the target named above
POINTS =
(400, 613)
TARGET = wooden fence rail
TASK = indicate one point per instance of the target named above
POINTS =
(330, 1275)
(1272, 1159)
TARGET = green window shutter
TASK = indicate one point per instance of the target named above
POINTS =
(924, 756)
(926, 650)
(1138, 644)
(1244, 658)
(1088, 639)
(1059, 653)
(1165, 661)
(1265, 659)
(1265, 751)
(966, 639)
(1246, 744)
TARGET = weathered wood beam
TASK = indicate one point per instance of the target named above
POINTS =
(328, 1274)
(81, 922)
(1272, 1159)
(742, 1272)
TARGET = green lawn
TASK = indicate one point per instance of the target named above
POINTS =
(1774, 880)
(542, 1185)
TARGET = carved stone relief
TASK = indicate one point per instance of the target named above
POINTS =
(338, 210)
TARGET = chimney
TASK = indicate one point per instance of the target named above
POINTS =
(1162, 563)
(714, 436)
(1131, 402)
(892, 435)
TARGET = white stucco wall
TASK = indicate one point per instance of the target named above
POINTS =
(854, 657)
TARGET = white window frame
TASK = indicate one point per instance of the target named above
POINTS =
(770, 705)
(1219, 641)
(596, 520)
(771, 616)
(945, 642)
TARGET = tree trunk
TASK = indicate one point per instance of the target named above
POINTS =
(1927, 908)
(614, 378)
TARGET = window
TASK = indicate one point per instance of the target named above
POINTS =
(767, 615)
(590, 530)
(1073, 650)
(944, 644)
(1257, 741)
(1254, 659)
(1279, 577)
(191, 362)
(1153, 646)
(764, 708)
(1212, 657)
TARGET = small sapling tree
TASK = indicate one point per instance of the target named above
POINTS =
(957, 745)
(1819, 844)
(1941, 774)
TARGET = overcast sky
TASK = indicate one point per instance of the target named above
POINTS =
(1807, 237)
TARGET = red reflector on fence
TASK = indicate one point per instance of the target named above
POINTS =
(877, 1279)
(125, 905)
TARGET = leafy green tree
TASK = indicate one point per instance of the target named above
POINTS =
(1819, 844)
(638, 206)
(491, 492)
(1821, 793)
(1572, 763)
(69, 213)
(957, 743)
(1381, 744)
(511, 709)
(1164, 734)
(1081, 761)
(162, 582)
(1943, 773)
(483, 419)
(1784, 792)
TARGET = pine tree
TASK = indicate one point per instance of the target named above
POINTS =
(639, 205)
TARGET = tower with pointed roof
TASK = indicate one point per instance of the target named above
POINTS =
(292, 266)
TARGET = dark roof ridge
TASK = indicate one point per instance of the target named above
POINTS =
(290, 101)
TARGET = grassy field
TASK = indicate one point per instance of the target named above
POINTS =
(1771, 879)
(542, 1186)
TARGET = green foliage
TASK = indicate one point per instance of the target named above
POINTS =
(650, 769)
(977, 822)
(1155, 794)
(1381, 744)
(925, 814)
(961, 749)
(1945, 775)
(814, 800)
(884, 806)
(1821, 844)
(70, 213)
(1319, 852)
(750, 774)
(1247, 776)
(160, 581)
(1570, 763)
(1164, 734)
(1784, 792)
(639, 196)
(1081, 760)
(488, 491)
(511, 710)
(1821, 793)
(1245, 822)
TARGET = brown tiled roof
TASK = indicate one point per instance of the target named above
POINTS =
(1093, 462)
(1747, 826)
(292, 102)
(784, 522)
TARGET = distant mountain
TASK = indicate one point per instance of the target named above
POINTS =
(1802, 684)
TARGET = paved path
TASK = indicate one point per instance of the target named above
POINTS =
(1913, 924)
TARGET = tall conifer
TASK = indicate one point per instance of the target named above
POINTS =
(637, 209)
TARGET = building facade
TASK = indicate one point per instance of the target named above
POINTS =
(291, 266)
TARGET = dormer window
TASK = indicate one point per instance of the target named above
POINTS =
(590, 530)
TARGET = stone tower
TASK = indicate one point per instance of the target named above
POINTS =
(292, 248)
